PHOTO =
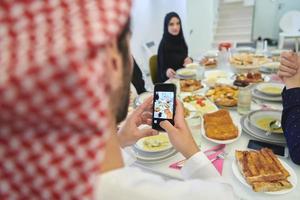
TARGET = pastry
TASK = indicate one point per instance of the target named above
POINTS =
(223, 95)
(190, 85)
(219, 125)
(262, 170)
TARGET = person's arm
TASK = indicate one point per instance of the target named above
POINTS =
(132, 183)
(291, 121)
(289, 71)
(161, 64)
(137, 79)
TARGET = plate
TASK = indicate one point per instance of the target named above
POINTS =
(186, 73)
(270, 89)
(292, 178)
(265, 78)
(217, 77)
(192, 66)
(245, 49)
(195, 122)
(261, 118)
(207, 108)
(271, 65)
(191, 86)
(259, 95)
(259, 134)
(191, 109)
(217, 74)
(221, 141)
(153, 157)
(277, 52)
(162, 137)
(211, 54)
(225, 96)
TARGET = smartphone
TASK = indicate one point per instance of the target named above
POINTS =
(164, 104)
(277, 149)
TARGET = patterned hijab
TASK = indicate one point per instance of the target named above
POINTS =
(54, 94)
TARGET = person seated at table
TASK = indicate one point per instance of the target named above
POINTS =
(59, 112)
(202, 180)
(173, 50)
(137, 78)
(289, 71)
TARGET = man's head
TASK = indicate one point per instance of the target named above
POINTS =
(120, 61)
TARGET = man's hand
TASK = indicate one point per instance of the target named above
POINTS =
(180, 135)
(289, 69)
(129, 133)
(170, 73)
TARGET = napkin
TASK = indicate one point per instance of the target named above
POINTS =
(211, 154)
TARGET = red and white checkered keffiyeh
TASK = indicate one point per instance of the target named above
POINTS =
(53, 94)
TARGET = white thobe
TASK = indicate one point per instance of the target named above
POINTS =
(201, 181)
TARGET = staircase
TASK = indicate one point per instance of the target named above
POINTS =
(234, 22)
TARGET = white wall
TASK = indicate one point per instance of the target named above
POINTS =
(147, 18)
(200, 20)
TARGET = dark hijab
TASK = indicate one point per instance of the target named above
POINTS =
(172, 49)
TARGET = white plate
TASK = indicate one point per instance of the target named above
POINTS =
(211, 54)
(222, 141)
(253, 117)
(217, 74)
(192, 66)
(155, 158)
(186, 72)
(191, 109)
(277, 52)
(259, 134)
(194, 107)
(262, 86)
(264, 77)
(271, 65)
(259, 95)
(140, 144)
(292, 178)
(201, 90)
(213, 77)
(245, 49)
(195, 122)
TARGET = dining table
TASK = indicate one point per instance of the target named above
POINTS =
(163, 168)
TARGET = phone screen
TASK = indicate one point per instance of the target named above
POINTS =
(163, 105)
(257, 145)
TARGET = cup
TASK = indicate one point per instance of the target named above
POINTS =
(200, 73)
(244, 100)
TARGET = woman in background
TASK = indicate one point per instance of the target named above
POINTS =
(173, 51)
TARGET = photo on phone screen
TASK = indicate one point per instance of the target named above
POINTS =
(277, 149)
(163, 104)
